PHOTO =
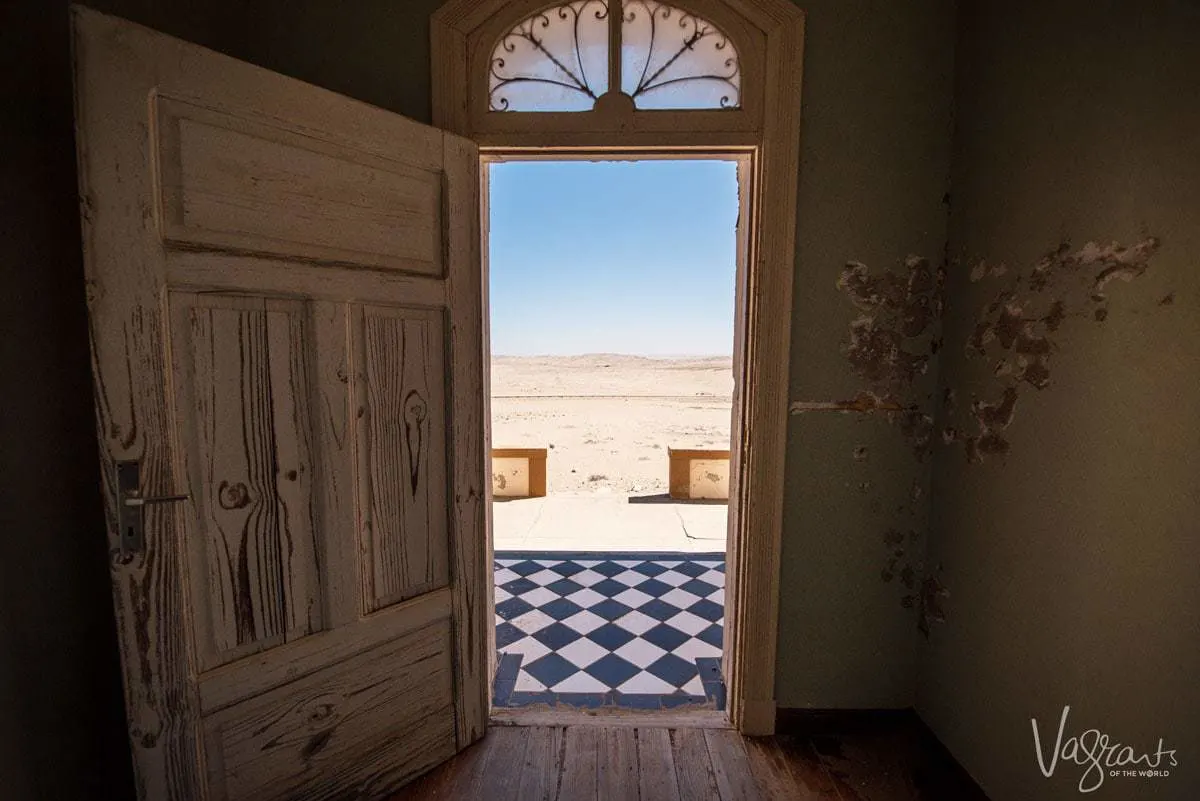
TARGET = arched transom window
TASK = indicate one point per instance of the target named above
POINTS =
(569, 55)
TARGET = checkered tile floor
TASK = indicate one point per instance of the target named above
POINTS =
(590, 629)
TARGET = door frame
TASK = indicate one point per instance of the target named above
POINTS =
(765, 135)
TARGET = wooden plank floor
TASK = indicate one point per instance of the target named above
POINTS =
(597, 763)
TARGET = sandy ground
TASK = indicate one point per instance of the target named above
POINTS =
(607, 422)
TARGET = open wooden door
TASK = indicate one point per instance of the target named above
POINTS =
(284, 290)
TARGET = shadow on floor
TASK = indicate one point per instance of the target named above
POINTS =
(664, 498)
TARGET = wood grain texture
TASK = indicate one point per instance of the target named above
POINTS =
(401, 439)
(771, 34)
(656, 766)
(482, 181)
(543, 764)
(810, 775)
(242, 392)
(736, 531)
(731, 766)
(360, 727)
(333, 473)
(284, 278)
(581, 752)
(756, 552)
(772, 771)
(617, 765)
(693, 766)
(874, 766)
(236, 371)
(461, 777)
(895, 764)
(506, 763)
(261, 672)
(470, 482)
(234, 182)
(121, 253)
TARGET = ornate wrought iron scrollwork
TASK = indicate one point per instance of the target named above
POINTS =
(559, 58)
(682, 49)
(562, 57)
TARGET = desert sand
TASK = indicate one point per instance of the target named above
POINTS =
(608, 420)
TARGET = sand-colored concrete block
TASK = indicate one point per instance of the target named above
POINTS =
(518, 472)
(698, 474)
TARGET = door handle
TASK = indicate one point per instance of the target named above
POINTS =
(135, 500)
(130, 503)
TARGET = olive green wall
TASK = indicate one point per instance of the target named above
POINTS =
(1073, 563)
(875, 163)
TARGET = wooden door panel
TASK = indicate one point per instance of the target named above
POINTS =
(285, 297)
(261, 672)
(287, 278)
(348, 727)
(242, 409)
(240, 183)
(402, 436)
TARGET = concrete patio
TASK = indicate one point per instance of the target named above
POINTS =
(608, 523)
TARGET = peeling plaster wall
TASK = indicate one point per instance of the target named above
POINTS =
(875, 164)
(1071, 544)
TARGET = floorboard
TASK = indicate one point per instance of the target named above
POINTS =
(731, 766)
(661, 763)
(811, 774)
(772, 771)
(693, 766)
(579, 764)
(656, 766)
(505, 763)
(617, 769)
(543, 764)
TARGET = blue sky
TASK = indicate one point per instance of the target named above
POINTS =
(613, 257)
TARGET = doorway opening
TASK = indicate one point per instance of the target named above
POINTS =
(613, 309)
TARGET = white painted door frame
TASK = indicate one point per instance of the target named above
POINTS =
(769, 35)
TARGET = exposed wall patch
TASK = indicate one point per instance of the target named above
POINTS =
(891, 347)
(1017, 332)
(896, 336)
(931, 601)
(890, 343)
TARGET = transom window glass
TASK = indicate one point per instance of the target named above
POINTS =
(567, 56)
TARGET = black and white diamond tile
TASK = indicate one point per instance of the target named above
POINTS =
(630, 629)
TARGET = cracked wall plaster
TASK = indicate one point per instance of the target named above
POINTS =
(895, 338)
(892, 343)
(1016, 332)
